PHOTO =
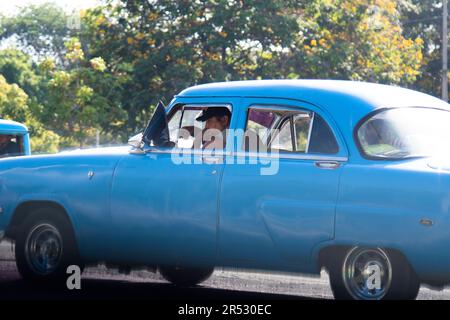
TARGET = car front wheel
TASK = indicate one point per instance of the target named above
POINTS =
(45, 247)
(372, 274)
(185, 277)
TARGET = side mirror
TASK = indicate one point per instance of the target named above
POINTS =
(136, 141)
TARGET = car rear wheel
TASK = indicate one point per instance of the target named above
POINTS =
(372, 274)
(185, 277)
(45, 247)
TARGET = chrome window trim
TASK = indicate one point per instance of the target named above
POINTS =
(182, 107)
(188, 151)
(293, 156)
(313, 116)
(209, 105)
(294, 134)
(241, 153)
(181, 118)
(280, 123)
(222, 153)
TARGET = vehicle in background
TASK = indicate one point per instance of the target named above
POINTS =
(14, 139)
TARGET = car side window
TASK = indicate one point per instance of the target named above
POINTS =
(302, 124)
(282, 140)
(174, 125)
(299, 131)
(11, 145)
(322, 139)
(199, 127)
(184, 117)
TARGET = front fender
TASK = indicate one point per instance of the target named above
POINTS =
(81, 184)
(43, 199)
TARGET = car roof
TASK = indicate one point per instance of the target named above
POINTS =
(344, 102)
(349, 100)
(11, 127)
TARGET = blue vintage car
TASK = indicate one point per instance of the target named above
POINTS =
(352, 177)
(14, 139)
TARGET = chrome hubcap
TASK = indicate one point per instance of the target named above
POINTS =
(43, 249)
(367, 273)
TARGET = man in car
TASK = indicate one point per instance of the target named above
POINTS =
(8, 148)
(213, 136)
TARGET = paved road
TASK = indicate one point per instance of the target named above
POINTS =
(100, 283)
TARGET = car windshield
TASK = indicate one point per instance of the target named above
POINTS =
(406, 132)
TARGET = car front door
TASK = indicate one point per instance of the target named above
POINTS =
(276, 206)
(164, 202)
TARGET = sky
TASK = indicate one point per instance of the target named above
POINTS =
(8, 7)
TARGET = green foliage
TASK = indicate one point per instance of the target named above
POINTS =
(17, 67)
(355, 39)
(13, 101)
(41, 30)
(423, 19)
(77, 102)
(158, 48)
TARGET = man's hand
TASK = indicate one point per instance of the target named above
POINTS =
(190, 129)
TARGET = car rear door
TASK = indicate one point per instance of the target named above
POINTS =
(275, 209)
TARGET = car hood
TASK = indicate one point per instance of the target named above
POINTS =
(95, 151)
(101, 156)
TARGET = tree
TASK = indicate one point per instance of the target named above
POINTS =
(357, 40)
(129, 54)
(40, 34)
(155, 49)
(40, 30)
(75, 106)
(423, 19)
(13, 101)
(18, 68)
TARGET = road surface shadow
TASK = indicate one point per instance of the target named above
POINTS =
(126, 290)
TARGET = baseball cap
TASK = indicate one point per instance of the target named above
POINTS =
(213, 112)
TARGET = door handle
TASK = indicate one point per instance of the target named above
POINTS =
(329, 165)
(211, 160)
